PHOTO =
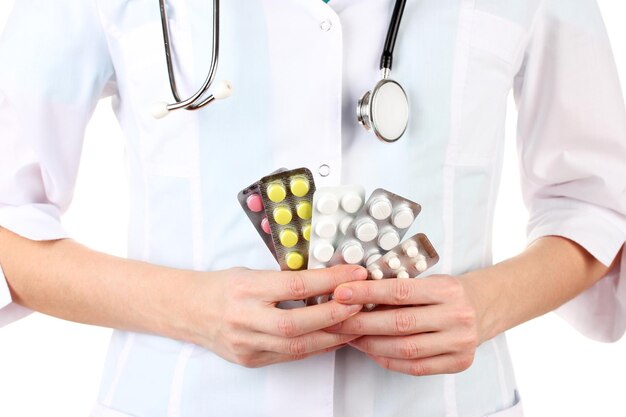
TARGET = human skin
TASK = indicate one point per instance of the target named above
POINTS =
(233, 312)
(439, 321)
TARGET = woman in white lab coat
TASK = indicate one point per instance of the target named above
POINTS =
(199, 338)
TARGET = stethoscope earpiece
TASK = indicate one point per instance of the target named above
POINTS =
(160, 109)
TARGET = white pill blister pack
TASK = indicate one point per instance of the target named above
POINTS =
(334, 209)
(377, 228)
(407, 260)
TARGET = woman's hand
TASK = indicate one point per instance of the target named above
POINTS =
(234, 314)
(434, 328)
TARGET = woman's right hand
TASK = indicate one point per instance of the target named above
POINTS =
(234, 313)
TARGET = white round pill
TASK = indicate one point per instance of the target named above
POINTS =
(420, 264)
(380, 209)
(351, 203)
(394, 262)
(403, 218)
(375, 272)
(344, 224)
(373, 258)
(327, 204)
(325, 229)
(352, 253)
(323, 251)
(410, 248)
(366, 231)
(388, 240)
(403, 274)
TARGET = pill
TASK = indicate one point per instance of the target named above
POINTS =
(394, 262)
(345, 223)
(323, 251)
(380, 208)
(373, 258)
(366, 231)
(265, 225)
(351, 203)
(352, 253)
(288, 238)
(306, 232)
(403, 274)
(375, 272)
(304, 210)
(389, 239)
(403, 218)
(410, 248)
(325, 229)
(254, 203)
(276, 192)
(294, 260)
(299, 186)
(282, 215)
(327, 204)
(420, 264)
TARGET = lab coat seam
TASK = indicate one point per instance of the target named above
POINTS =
(112, 75)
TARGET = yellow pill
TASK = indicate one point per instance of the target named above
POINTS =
(294, 260)
(288, 238)
(304, 209)
(306, 232)
(282, 215)
(276, 192)
(299, 186)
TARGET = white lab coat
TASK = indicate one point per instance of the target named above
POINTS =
(298, 68)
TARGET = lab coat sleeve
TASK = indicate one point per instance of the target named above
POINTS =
(572, 150)
(54, 66)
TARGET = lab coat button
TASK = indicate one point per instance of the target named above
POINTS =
(326, 25)
(324, 170)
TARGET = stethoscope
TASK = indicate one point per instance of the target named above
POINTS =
(384, 109)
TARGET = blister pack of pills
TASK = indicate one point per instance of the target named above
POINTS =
(288, 200)
(251, 201)
(377, 228)
(407, 260)
(334, 209)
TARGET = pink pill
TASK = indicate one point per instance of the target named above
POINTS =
(265, 225)
(254, 202)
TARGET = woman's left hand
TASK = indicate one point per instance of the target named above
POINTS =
(433, 329)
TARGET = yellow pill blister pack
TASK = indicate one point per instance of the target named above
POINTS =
(288, 203)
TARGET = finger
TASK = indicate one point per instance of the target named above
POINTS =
(404, 347)
(395, 322)
(423, 291)
(300, 321)
(301, 345)
(443, 364)
(300, 285)
(272, 357)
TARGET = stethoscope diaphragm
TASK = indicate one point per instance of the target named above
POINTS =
(385, 110)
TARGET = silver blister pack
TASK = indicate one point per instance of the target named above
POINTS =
(288, 201)
(377, 228)
(334, 208)
(407, 260)
(251, 202)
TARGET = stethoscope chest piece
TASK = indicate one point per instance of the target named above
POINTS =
(385, 110)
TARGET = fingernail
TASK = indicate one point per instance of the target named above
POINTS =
(343, 293)
(355, 308)
(359, 274)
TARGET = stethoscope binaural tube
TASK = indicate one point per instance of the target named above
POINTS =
(385, 109)
(196, 101)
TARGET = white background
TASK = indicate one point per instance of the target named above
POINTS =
(49, 367)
